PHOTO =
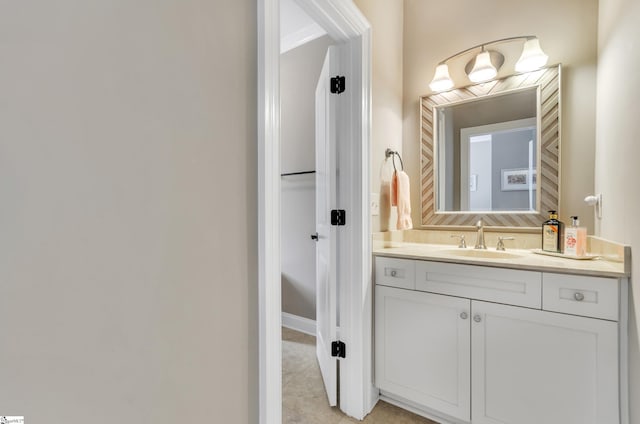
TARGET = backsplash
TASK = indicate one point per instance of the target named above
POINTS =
(521, 240)
(608, 250)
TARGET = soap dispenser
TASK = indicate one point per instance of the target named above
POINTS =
(575, 239)
(553, 234)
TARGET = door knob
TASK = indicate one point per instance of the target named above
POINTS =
(314, 236)
(464, 315)
(477, 318)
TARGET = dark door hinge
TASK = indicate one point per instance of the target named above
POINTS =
(338, 217)
(337, 84)
(338, 349)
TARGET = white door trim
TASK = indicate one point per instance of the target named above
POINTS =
(269, 280)
(345, 24)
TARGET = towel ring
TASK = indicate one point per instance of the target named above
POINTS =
(393, 155)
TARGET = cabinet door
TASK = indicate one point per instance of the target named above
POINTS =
(533, 367)
(422, 348)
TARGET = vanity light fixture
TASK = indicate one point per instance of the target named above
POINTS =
(442, 81)
(483, 70)
(532, 56)
(484, 66)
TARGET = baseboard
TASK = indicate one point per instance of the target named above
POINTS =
(301, 324)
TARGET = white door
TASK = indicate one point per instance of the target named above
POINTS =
(422, 348)
(326, 284)
(532, 367)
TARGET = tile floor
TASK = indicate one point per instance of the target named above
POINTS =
(303, 396)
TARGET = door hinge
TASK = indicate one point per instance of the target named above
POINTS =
(338, 217)
(337, 84)
(338, 349)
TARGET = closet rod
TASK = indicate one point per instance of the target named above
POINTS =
(297, 173)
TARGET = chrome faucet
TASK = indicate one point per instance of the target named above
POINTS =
(480, 239)
(463, 242)
(500, 245)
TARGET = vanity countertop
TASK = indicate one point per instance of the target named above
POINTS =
(607, 265)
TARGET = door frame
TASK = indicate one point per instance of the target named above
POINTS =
(345, 24)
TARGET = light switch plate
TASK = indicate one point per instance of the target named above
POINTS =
(375, 204)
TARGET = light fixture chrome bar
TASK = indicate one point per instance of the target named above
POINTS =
(482, 45)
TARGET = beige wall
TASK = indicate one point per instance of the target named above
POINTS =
(128, 191)
(618, 150)
(386, 18)
(567, 30)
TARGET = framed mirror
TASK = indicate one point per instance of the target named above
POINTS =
(491, 151)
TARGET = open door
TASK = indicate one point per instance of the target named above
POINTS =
(326, 284)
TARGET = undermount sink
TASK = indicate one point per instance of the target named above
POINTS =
(481, 253)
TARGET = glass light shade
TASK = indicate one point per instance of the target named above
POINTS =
(532, 57)
(441, 80)
(483, 70)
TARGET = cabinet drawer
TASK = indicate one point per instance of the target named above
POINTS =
(514, 287)
(595, 297)
(395, 272)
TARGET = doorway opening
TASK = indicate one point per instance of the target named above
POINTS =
(304, 46)
(347, 27)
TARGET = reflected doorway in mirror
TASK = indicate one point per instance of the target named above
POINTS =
(484, 151)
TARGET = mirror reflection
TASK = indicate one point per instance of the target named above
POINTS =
(491, 151)
(487, 153)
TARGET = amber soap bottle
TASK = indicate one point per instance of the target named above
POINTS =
(553, 234)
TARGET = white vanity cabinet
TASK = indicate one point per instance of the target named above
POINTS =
(423, 350)
(487, 345)
(531, 367)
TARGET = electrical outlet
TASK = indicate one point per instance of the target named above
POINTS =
(375, 204)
